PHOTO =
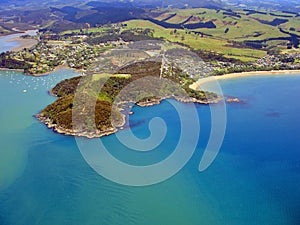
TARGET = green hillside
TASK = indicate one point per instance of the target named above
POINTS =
(234, 29)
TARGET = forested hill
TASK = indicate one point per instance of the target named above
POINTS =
(140, 3)
(286, 5)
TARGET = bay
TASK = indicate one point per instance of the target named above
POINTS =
(254, 180)
(8, 42)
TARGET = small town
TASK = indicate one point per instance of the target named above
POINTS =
(79, 51)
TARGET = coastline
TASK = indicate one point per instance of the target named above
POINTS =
(121, 125)
(197, 84)
(157, 101)
(90, 135)
(23, 43)
(60, 67)
(257, 73)
(16, 70)
(11, 33)
(192, 86)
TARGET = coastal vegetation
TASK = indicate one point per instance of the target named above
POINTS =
(146, 87)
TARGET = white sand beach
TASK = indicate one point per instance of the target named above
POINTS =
(202, 81)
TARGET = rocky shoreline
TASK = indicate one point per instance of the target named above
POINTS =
(158, 100)
(57, 68)
(69, 132)
(125, 114)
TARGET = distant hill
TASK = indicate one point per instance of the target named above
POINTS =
(101, 14)
(281, 5)
(102, 3)
(27, 3)
(183, 3)
(287, 5)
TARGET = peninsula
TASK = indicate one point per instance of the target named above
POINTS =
(109, 108)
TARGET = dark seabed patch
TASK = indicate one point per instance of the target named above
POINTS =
(273, 114)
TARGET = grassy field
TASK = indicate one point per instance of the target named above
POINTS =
(195, 41)
(90, 30)
(97, 77)
(233, 28)
(244, 28)
(293, 23)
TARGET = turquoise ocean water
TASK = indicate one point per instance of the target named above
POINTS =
(254, 180)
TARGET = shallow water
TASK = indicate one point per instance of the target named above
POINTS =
(6, 44)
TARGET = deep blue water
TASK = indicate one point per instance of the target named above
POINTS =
(254, 180)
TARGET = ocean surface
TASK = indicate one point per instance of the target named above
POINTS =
(255, 179)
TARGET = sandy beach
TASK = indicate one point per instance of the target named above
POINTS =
(197, 84)
(257, 73)
(24, 43)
